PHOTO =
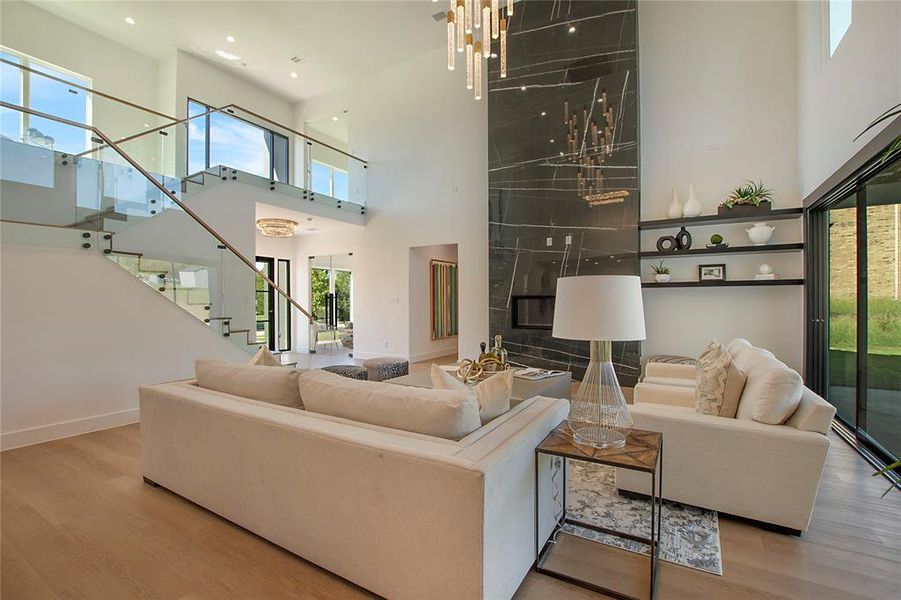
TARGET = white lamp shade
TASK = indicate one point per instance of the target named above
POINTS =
(599, 307)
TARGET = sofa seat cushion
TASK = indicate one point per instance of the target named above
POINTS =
(772, 391)
(492, 394)
(277, 385)
(448, 414)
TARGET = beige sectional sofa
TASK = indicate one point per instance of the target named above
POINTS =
(404, 515)
(738, 466)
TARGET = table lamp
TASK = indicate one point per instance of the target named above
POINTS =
(600, 309)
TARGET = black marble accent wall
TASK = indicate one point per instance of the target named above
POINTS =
(541, 226)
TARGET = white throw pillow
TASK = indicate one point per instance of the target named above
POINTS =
(278, 386)
(772, 392)
(492, 394)
(719, 383)
(264, 358)
(449, 414)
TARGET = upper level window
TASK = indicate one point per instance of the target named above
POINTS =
(51, 96)
(328, 180)
(839, 22)
(223, 139)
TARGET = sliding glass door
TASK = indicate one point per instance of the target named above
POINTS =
(856, 238)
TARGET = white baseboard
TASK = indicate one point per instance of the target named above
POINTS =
(364, 355)
(56, 431)
(433, 354)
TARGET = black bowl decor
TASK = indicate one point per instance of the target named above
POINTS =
(667, 243)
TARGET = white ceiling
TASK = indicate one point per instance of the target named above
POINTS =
(338, 41)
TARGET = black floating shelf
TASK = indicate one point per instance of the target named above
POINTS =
(773, 215)
(726, 250)
(733, 283)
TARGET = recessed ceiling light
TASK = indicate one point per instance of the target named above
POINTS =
(334, 118)
(146, 124)
(293, 75)
(572, 28)
(227, 55)
(129, 20)
(230, 39)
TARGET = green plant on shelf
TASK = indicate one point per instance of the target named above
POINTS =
(749, 194)
(716, 239)
(660, 268)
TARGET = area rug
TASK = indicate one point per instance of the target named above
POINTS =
(690, 535)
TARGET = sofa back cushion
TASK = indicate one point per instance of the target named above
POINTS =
(277, 385)
(449, 414)
(813, 413)
(772, 390)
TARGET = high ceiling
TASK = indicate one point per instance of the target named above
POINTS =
(336, 41)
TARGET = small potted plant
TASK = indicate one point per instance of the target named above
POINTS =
(661, 272)
(716, 241)
(747, 199)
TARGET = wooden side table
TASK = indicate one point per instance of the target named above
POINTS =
(643, 452)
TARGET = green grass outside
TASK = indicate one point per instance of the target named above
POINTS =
(884, 326)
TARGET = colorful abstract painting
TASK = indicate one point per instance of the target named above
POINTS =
(444, 299)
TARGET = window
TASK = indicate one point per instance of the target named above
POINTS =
(328, 180)
(57, 98)
(223, 139)
(839, 22)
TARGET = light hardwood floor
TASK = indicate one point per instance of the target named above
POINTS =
(78, 522)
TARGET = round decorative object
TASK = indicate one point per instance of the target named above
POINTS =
(683, 239)
(666, 243)
(760, 233)
(662, 277)
(716, 239)
(765, 269)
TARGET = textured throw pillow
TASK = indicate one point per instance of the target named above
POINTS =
(264, 358)
(278, 386)
(719, 383)
(449, 414)
(492, 395)
(772, 392)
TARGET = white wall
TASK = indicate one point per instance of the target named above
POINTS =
(422, 346)
(427, 183)
(80, 338)
(841, 95)
(113, 68)
(719, 106)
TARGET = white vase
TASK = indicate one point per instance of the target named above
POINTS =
(675, 207)
(692, 208)
(760, 234)
(662, 277)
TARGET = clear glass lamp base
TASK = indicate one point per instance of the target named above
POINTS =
(598, 414)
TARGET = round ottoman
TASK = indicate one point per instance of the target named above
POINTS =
(349, 371)
(380, 369)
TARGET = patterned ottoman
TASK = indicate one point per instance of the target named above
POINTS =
(349, 371)
(380, 369)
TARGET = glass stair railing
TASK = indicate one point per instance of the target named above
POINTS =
(109, 203)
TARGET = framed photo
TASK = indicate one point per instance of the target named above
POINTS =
(712, 272)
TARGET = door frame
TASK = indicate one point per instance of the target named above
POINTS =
(269, 261)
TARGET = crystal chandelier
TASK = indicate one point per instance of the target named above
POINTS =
(589, 141)
(470, 30)
(281, 228)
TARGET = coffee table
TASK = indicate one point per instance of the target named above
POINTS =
(551, 387)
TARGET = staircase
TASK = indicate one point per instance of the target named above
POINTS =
(142, 221)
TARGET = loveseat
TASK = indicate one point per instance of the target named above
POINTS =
(739, 466)
(404, 515)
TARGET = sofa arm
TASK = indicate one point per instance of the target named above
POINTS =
(764, 472)
(506, 455)
(672, 395)
(670, 371)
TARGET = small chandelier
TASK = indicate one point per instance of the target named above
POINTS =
(280, 228)
(470, 30)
